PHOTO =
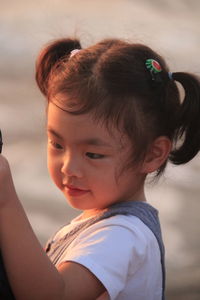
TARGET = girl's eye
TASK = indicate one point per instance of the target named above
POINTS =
(55, 145)
(94, 155)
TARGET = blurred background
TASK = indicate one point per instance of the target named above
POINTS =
(172, 27)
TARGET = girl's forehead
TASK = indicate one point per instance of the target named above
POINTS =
(82, 125)
(56, 116)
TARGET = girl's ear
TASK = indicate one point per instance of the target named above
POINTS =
(157, 154)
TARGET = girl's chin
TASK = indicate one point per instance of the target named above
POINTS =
(78, 202)
(86, 210)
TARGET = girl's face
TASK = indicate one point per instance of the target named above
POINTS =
(85, 159)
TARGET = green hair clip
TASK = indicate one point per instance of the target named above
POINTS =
(154, 67)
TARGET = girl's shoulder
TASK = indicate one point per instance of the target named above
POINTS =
(128, 225)
(122, 242)
(114, 249)
(120, 226)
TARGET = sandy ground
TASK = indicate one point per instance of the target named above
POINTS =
(172, 28)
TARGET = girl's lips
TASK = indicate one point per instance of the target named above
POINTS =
(73, 191)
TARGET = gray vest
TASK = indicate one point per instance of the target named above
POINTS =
(145, 212)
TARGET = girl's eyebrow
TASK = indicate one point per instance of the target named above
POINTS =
(89, 141)
(50, 130)
(94, 142)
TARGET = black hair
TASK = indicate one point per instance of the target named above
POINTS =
(111, 80)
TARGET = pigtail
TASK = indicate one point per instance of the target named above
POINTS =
(187, 133)
(49, 57)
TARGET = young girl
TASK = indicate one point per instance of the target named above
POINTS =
(114, 115)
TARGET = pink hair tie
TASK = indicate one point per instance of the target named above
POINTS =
(74, 52)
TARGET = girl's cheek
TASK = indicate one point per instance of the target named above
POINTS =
(54, 170)
(55, 175)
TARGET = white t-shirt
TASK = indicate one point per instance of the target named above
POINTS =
(122, 252)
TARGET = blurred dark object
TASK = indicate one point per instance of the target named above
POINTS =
(1, 143)
(5, 290)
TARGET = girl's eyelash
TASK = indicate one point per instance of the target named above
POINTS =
(55, 145)
(94, 155)
(91, 155)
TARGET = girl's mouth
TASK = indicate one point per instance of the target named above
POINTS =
(74, 191)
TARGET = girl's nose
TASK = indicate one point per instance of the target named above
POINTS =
(71, 166)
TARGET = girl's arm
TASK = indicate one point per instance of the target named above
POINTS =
(31, 273)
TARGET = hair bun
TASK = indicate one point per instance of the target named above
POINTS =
(49, 56)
